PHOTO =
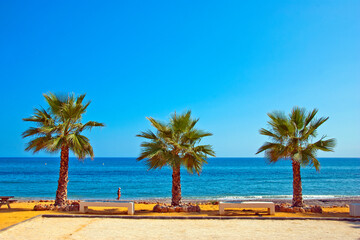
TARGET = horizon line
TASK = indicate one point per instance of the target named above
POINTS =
(137, 157)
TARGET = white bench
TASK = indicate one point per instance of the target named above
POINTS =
(129, 205)
(269, 205)
(355, 209)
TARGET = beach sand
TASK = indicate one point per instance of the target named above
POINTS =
(98, 228)
(21, 211)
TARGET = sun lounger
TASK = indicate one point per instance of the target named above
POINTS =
(129, 205)
(269, 205)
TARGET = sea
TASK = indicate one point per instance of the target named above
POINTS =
(220, 179)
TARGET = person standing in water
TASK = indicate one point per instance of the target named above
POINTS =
(119, 194)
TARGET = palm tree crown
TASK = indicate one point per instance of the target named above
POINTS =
(291, 137)
(61, 125)
(175, 144)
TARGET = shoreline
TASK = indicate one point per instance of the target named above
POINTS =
(322, 201)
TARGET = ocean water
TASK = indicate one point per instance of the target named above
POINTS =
(221, 179)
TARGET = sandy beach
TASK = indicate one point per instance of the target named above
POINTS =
(71, 228)
(96, 228)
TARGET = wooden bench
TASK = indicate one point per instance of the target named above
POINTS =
(269, 205)
(129, 205)
(6, 200)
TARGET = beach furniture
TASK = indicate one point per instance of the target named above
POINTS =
(355, 209)
(6, 200)
(129, 205)
(269, 205)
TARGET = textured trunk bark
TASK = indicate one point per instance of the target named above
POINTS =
(176, 187)
(61, 193)
(297, 200)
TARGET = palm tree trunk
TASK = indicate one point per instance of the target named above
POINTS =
(297, 200)
(176, 187)
(61, 193)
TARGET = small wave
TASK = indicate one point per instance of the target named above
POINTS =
(323, 196)
(229, 198)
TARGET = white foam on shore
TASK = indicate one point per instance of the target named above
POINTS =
(280, 197)
(229, 198)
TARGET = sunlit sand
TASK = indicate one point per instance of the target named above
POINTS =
(24, 210)
(96, 228)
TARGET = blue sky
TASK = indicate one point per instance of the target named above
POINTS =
(230, 62)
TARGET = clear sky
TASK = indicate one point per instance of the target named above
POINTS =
(230, 62)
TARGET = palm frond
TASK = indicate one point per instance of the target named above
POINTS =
(269, 145)
(55, 144)
(80, 145)
(193, 163)
(309, 158)
(147, 134)
(314, 125)
(273, 135)
(89, 125)
(32, 131)
(39, 143)
(193, 123)
(297, 117)
(310, 117)
(324, 145)
(41, 116)
(158, 125)
(55, 103)
(182, 122)
(204, 149)
(194, 135)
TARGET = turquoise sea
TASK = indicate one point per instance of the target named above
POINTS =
(221, 178)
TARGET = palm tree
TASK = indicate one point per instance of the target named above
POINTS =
(59, 129)
(175, 144)
(291, 138)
